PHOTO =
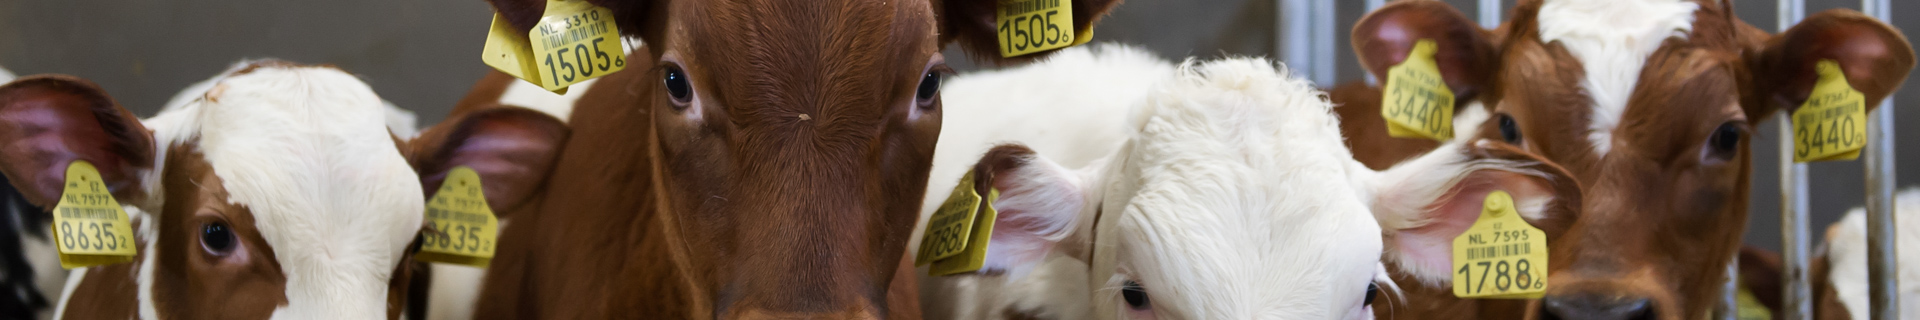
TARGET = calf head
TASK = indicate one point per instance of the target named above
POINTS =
(1650, 103)
(1237, 199)
(278, 194)
(789, 140)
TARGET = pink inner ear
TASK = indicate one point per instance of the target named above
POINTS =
(1428, 249)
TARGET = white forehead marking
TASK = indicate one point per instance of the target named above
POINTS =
(1243, 208)
(307, 151)
(1612, 39)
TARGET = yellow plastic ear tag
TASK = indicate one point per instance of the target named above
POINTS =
(575, 41)
(461, 227)
(89, 227)
(1029, 26)
(1500, 256)
(957, 234)
(1832, 124)
(975, 254)
(951, 224)
(1418, 103)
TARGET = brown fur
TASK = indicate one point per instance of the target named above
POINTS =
(1664, 213)
(787, 190)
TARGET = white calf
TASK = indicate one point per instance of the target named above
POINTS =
(1229, 195)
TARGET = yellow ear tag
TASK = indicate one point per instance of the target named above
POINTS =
(951, 224)
(1832, 124)
(1500, 256)
(1029, 26)
(89, 227)
(957, 234)
(975, 254)
(1418, 103)
(461, 227)
(575, 41)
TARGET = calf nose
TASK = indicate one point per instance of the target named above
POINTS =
(1592, 307)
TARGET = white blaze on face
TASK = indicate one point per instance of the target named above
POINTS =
(307, 151)
(1236, 202)
(1612, 39)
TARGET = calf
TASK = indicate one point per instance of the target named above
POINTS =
(1839, 272)
(1231, 196)
(759, 159)
(278, 194)
(1649, 104)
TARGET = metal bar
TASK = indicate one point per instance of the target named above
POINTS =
(1796, 297)
(1294, 40)
(1490, 13)
(1306, 38)
(1881, 254)
(1796, 294)
(1324, 15)
(1796, 301)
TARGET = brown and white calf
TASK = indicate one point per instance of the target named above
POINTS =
(280, 194)
(758, 159)
(1649, 103)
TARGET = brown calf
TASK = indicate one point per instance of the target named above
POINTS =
(758, 159)
(1649, 104)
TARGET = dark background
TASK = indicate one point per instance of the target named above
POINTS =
(423, 55)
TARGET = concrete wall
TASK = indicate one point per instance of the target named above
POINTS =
(423, 55)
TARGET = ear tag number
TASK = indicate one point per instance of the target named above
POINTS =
(1418, 103)
(1500, 256)
(575, 41)
(957, 234)
(89, 227)
(461, 228)
(1029, 26)
(1832, 124)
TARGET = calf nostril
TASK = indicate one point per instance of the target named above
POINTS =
(1596, 308)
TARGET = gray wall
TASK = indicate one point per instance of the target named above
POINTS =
(422, 55)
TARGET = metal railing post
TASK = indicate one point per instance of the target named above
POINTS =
(1796, 302)
(1881, 255)
(1489, 13)
(1306, 38)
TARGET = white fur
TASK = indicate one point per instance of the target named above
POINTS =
(1612, 39)
(403, 123)
(1847, 245)
(306, 150)
(1402, 196)
(1229, 192)
(524, 94)
(6, 76)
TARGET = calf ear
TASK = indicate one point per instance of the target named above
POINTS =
(1874, 56)
(1422, 204)
(1464, 53)
(1039, 206)
(48, 121)
(513, 149)
(974, 24)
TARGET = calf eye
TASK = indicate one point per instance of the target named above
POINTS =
(1724, 141)
(217, 238)
(1509, 130)
(1135, 295)
(929, 85)
(1373, 291)
(677, 85)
